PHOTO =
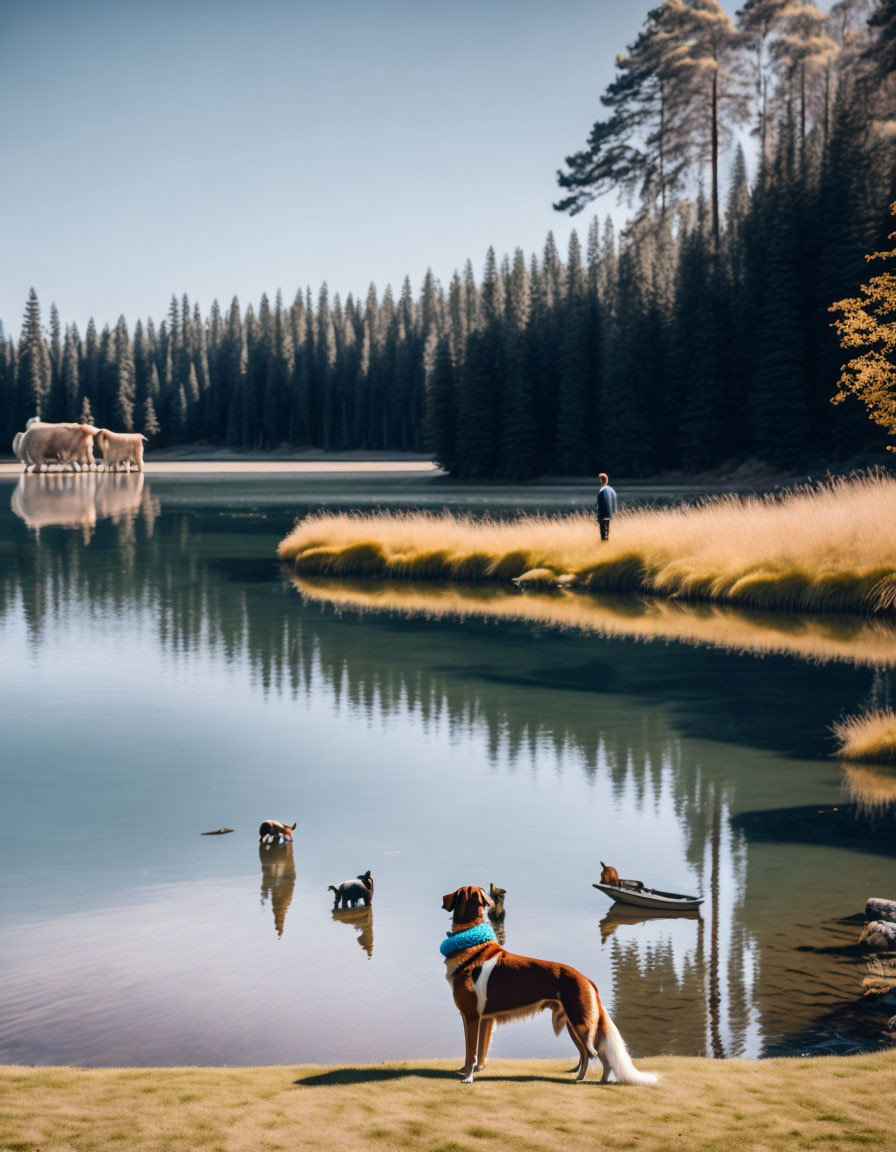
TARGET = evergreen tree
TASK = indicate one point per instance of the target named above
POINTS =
(34, 372)
(71, 383)
(519, 451)
(150, 423)
(126, 390)
(56, 398)
(91, 365)
(441, 407)
(575, 411)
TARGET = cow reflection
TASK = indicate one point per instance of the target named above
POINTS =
(77, 499)
(361, 919)
(278, 879)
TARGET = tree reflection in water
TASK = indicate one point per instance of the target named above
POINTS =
(706, 983)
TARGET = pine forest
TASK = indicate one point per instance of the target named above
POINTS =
(756, 155)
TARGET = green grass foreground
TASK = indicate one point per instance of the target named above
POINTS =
(828, 548)
(830, 1103)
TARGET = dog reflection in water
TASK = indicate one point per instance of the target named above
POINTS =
(361, 919)
(278, 879)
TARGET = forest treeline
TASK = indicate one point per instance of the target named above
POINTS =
(697, 336)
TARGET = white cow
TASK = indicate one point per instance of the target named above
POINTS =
(121, 448)
(42, 444)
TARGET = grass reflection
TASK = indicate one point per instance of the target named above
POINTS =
(856, 640)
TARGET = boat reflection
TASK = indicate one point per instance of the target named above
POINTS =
(361, 919)
(278, 880)
(852, 639)
(79, 500)
(619, 915)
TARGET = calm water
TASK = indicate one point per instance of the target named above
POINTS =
(161, 677)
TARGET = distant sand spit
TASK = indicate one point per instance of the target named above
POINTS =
(272, 467)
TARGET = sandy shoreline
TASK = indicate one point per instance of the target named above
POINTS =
(413, 468)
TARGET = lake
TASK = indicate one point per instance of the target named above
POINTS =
(163, 677)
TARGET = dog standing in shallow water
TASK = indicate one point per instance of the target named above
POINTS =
(272, 831)
(492, 986)
(351, 891)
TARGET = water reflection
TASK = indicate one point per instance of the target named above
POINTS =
(361, 919)
(620, 915)
(78, 500)
(819, 638)
(668, 743)
(278, 880)
(872, 787)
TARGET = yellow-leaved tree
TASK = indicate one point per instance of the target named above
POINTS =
(869, 322)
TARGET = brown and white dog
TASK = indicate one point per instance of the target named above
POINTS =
(272, 831)
(608, 874)
(492, 986)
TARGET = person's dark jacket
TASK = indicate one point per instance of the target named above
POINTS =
(606, 502)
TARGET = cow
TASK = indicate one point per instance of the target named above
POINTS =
(42, 444)
(121, 448)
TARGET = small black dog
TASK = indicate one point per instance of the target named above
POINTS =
(351, 891)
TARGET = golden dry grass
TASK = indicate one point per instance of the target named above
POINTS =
(834, 1103)
(855, 640)
(829, 548)
(870, 736)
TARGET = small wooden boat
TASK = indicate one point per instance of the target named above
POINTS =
(634, 892)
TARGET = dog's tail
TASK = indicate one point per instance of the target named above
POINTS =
(332, 888)
(611, 1047)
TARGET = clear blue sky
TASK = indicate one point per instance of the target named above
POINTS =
(227, 148)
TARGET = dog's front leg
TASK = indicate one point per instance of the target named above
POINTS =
(471, 1036)
(485, 1038)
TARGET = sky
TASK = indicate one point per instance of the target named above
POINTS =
(227, 148)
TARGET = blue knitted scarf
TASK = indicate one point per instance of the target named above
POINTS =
(458, 941)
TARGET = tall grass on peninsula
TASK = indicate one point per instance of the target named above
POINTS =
(819, 639)
(825, 548)
(868, 737)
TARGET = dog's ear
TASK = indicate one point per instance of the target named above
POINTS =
(449, 901)
(486, 898)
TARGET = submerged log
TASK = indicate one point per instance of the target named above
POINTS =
(217, 832)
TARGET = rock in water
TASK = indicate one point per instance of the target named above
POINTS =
(218, 832)
(878, 936)
(878, 909)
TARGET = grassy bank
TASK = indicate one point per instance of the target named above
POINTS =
(835, 1103)
(820, 639)
(831, 548)
(869, 737)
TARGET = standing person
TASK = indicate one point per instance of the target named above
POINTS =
(606, 506)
